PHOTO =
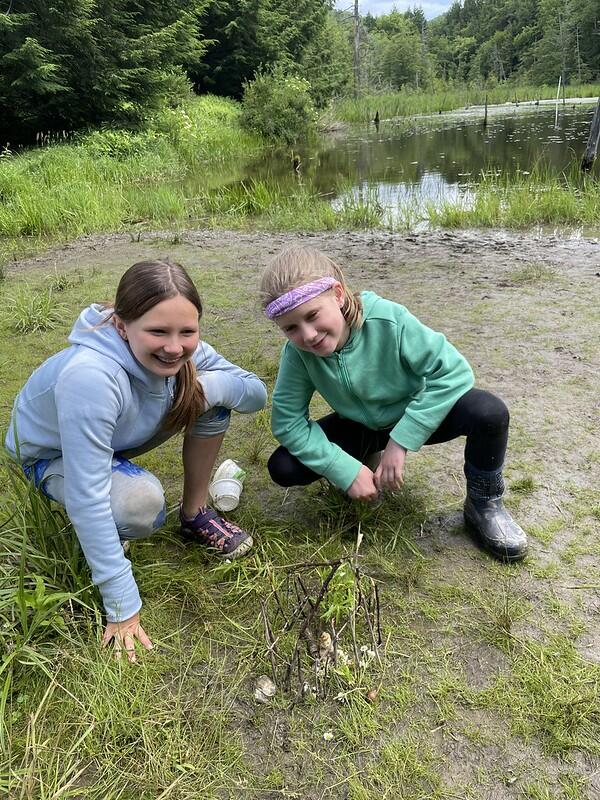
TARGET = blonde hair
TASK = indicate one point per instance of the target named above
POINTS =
(298, 265)
(142, 287)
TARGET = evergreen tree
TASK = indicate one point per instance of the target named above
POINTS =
(68, 64)
(233, 54)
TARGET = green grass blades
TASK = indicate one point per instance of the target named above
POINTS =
(409, 102)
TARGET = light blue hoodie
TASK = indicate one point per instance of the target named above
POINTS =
(94, 399)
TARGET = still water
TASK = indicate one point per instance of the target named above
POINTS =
(429, 160)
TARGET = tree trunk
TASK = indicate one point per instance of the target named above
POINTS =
(592, 145)
(356, 50)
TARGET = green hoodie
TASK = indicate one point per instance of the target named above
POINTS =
(393, 372)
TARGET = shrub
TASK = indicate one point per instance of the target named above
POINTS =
(278, 106)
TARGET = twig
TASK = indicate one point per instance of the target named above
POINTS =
(309, 618)
(379, 637)
(312, 564)
(306, 594)
(371, 631)
(357, 594)
(554, 501)
(275, 594)
(270, 639)
(300, 675)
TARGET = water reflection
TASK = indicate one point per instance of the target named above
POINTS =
(432, 160)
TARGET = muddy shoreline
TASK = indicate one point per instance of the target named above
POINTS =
(496, 248)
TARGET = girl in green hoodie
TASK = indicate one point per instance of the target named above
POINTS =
(393, 384)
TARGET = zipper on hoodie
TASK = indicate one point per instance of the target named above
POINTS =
(346, 380)
(170, 389)
(170, 396)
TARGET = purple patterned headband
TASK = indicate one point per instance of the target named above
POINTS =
(295, 297)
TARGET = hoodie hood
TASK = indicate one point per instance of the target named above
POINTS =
(94, 331)
(368, 300)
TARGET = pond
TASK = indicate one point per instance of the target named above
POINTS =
(433, 159)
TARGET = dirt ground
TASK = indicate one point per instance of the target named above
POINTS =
(525, 311)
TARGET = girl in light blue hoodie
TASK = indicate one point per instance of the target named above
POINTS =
(133, 376)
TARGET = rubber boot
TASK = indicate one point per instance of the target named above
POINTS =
(487, 517)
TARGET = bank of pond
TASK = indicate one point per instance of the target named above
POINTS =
(194, 166)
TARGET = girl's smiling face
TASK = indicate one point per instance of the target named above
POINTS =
(317, 326)
(163, 338)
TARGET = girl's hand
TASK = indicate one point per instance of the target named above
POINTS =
(389, 473)
(363, 486)
(124, 634)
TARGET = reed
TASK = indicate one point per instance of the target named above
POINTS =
(520, 201)
(287, 206)
(408, 102)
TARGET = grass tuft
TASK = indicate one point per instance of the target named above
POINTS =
(30, 311)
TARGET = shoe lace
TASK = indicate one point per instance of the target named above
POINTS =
(220, 529)
(231, 527)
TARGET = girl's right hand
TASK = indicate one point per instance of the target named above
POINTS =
(124, 634)
(363, 486)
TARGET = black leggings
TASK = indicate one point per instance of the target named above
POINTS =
(479, 415)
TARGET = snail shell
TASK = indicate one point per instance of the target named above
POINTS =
(264, 689)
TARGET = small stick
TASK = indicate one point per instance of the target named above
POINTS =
(269, 638)
(553, 500)
(371, 631)
(275, 595)
(312, 564)
(379, 637)
(357, 594)
(300, 676)
(299, 610)
(309, 618)
(307, 595)
(352, 620)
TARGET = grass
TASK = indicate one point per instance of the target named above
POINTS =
(520, 201)
(108, 179)
(482, 687)
(408, 102)
(32, 311)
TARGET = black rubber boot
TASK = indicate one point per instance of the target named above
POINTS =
(487, 517)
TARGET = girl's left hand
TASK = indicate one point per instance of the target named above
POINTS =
(124, 635)
(389, 473)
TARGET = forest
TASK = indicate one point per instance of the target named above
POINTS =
(68, 66)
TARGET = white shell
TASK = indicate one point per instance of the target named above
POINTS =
(264, 689)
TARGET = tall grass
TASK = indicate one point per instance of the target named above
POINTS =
(114, 179)
(513, 201)
(519, 201)
(44, 581)
(408, 102)
(110, 178)
(30, 311)
(293, 206)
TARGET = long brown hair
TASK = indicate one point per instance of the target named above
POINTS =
(142, 287)
(297, 265)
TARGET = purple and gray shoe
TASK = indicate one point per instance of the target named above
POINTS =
(207, 527)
